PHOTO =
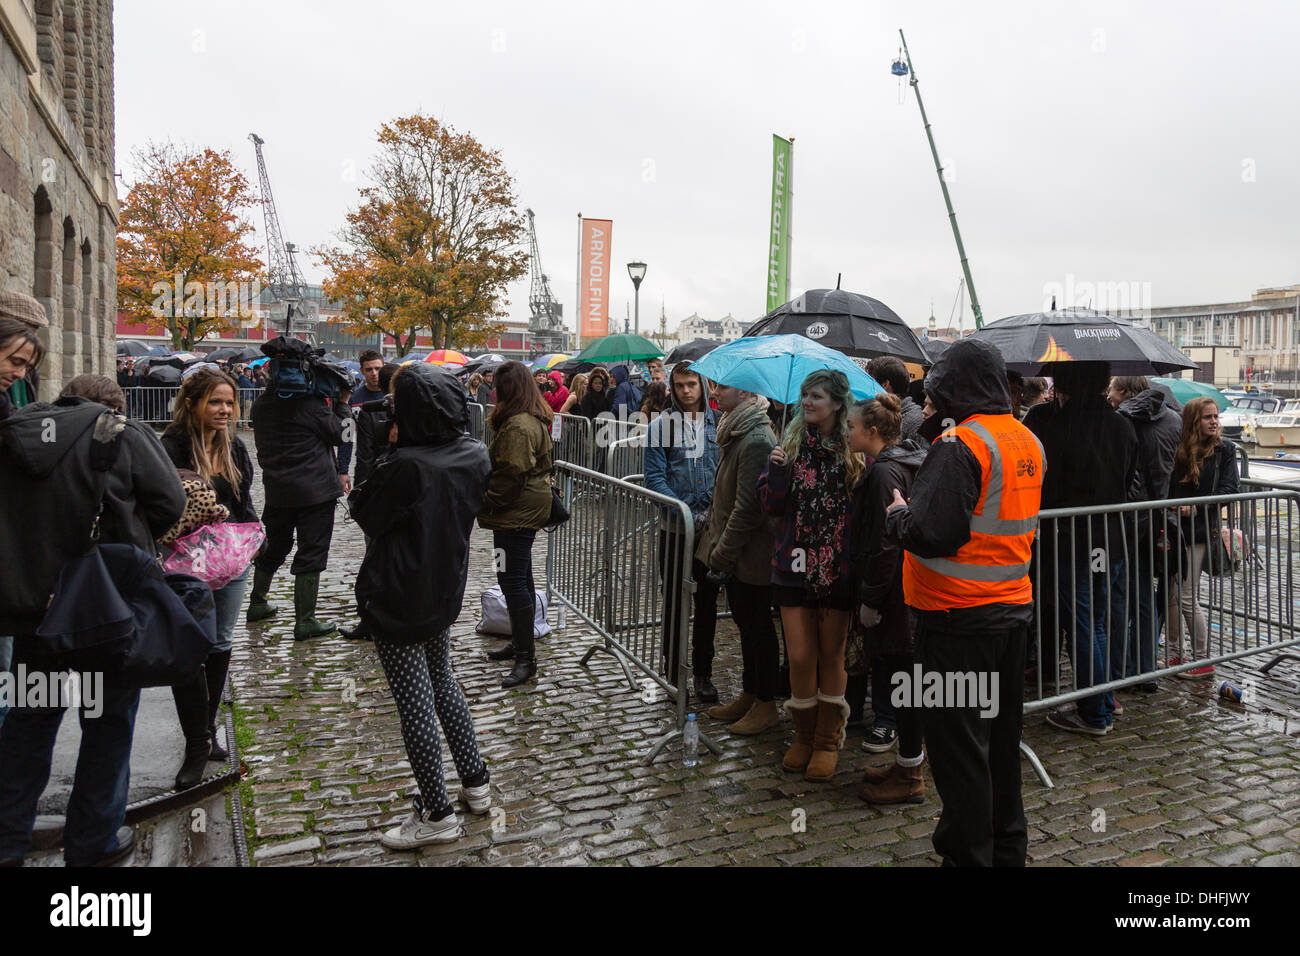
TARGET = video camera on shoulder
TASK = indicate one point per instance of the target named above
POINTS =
(295, 368)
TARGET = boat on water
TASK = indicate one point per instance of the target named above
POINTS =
(1280, 430)
(1240, 420)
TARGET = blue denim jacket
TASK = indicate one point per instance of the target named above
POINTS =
(685, 470)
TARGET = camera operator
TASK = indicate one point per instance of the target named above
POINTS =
(295, 434)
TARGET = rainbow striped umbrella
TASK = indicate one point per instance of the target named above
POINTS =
(549, 360)
(446, 357)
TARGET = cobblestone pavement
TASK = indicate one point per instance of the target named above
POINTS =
(1183, 779)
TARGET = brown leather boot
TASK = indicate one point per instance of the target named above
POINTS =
(902, 785)
(805, 725)
(734, 711)
(832, 715)
(877, 774)
(759, 718)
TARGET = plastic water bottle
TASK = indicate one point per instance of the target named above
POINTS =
(690, 742)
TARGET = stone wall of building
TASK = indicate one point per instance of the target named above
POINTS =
(58, 196)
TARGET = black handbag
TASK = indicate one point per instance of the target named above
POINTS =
(559, 513)
(114, 611)
(1218, 562)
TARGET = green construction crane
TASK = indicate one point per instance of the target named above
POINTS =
(908, 69)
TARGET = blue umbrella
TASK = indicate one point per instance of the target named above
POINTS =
(775, 366)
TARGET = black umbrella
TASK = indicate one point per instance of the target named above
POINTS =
(1029, 342)
(856, 325)
(935, 347)
(485, 363)
(692, 350)
(225, 354)
(163, 375)
(155, 361)
(573, 367)
(132, 347)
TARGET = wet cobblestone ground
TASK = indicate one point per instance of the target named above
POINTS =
(1182, 780)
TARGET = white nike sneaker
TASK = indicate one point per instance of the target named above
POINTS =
(478, 800)
(416, 831)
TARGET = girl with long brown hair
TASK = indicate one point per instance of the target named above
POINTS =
(518, 504)
(1205, 464)
(577, 392)
(202, 439)
(807, 485)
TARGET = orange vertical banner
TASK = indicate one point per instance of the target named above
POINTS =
(594, 275)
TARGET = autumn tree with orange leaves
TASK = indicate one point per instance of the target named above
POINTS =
(183, 263)
(433, 243)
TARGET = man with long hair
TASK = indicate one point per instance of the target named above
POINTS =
(681, 461)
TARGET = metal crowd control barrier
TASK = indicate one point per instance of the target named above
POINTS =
(1108, 578)
(477, 420)
(627, 455)
(575, 443)
(154, 404)
(621, 564)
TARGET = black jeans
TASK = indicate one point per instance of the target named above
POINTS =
(514, 551)
(751, 608)
(705, 607)
(976, 760)
(314, 525)
(905, 720)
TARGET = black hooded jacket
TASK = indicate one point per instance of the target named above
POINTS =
(970, 378)
(877, 558)
(1093, 452)
(295, 438)
(418, 508)
(594, 402)
(1158, 429)
(49, 492)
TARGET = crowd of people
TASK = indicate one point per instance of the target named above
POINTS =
(891, 537)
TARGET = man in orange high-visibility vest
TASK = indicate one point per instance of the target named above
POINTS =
(968, 532)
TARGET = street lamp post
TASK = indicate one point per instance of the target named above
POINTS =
(637, 271)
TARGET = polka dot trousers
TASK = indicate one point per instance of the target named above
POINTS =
(427, 695)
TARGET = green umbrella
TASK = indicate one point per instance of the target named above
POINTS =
(1185, 390)
(619, 348)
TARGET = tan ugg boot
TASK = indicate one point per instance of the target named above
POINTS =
(734, 711)
(832, 715)
(759, 718)
(901, 785)
(877, 774)
(804, 715)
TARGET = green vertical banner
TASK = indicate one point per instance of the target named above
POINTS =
(778, 258)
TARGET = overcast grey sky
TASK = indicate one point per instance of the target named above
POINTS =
(1149, 142)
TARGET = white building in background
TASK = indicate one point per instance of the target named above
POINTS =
(1259, 337)
(726, 329)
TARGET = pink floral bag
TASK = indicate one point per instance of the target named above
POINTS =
(216, 553)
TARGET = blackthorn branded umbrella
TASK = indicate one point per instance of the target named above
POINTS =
(847, 322)
(1030, 342)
